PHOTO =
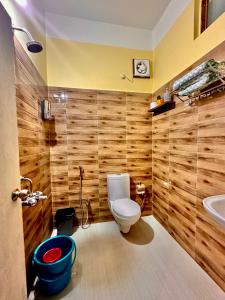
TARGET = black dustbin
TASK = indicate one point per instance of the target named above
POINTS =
(64, 219)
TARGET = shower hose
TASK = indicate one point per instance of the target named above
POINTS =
(84, 223)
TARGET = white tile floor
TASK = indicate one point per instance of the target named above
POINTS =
(146, 264)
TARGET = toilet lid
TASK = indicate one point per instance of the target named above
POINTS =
(126, 208)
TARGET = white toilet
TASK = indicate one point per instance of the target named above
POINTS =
(125, 211)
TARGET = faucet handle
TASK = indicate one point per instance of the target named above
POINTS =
(39, 196)
(38, 193)
(30, 201)
(43, 198)
(22, 194)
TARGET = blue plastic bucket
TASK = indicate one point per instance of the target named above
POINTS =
(51, 270)
(56, 284)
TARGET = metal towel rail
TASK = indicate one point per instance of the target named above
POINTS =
(213, 87)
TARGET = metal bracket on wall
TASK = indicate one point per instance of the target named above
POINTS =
(214, 87)
(218, 87)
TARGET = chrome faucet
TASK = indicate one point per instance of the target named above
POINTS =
(28, 197)
(32, 199)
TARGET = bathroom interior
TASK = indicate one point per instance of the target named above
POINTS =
(114, 111)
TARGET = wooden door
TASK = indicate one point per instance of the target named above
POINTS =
(12, 262)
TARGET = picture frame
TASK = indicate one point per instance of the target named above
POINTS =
(141, 68)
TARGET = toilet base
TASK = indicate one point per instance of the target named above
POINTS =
(125, 223)
(124, 228)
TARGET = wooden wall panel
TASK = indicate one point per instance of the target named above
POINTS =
(34, 137)
(105, 132)
(183, 175)
(160, 157)
(210, 237)
(139, 145)
(111, 111)
(188, 151)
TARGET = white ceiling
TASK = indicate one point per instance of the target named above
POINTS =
(133, 13)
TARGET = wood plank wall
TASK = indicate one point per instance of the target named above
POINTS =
(105, 132)
(34, 153)
(188, 150)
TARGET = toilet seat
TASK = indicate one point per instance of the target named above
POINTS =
(125, 208)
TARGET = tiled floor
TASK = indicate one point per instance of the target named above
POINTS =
(146, 264)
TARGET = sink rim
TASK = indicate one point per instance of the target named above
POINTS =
(207, 203)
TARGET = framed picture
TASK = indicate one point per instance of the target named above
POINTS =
(141, 68)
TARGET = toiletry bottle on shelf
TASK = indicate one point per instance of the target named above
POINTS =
(159, 101)
(167, 95)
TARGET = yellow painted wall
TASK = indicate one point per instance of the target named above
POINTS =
(83, 65)
(32, 18)
(178, 49)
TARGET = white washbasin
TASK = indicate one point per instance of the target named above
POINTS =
(215, 206)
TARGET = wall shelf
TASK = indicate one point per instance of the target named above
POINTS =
(162, 108)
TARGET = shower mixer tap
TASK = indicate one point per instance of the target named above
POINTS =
(33, 199)
(27, 196)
